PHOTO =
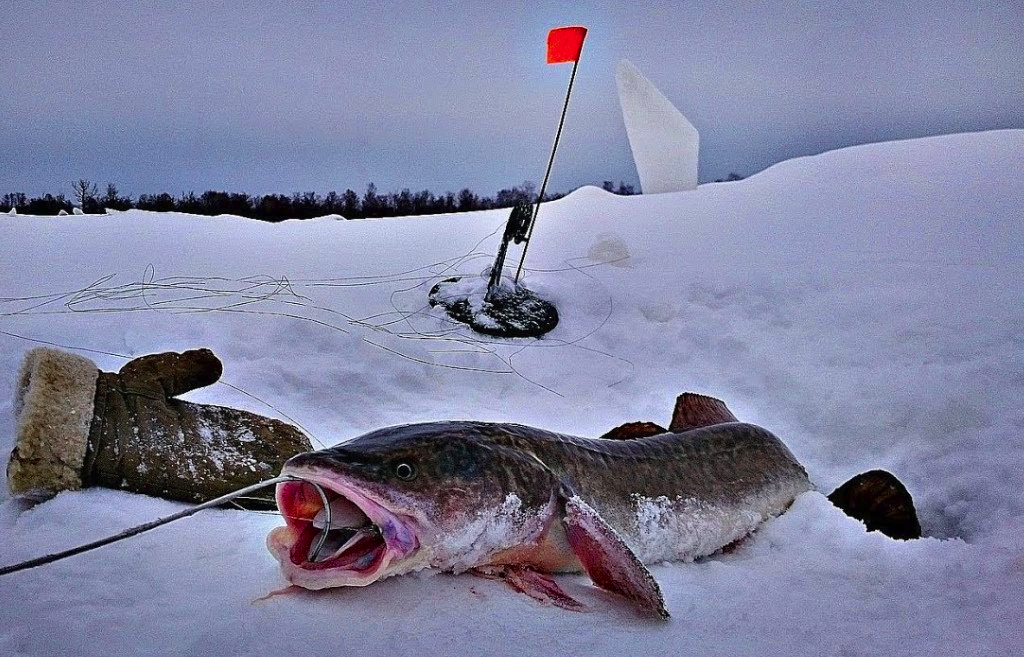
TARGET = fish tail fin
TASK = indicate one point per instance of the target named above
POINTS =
(881, 501)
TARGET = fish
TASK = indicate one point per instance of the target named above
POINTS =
(521, 504)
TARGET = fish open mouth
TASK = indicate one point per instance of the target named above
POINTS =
(351, 543)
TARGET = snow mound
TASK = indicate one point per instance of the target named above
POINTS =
(863, 304)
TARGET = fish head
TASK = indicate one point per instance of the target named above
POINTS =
(396, 496)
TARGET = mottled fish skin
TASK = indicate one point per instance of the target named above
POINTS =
(670, 496)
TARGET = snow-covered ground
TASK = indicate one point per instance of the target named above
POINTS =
(865, 304)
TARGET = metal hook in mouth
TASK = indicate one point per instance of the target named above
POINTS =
(327, 514)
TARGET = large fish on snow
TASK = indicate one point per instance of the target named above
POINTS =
(517, 503)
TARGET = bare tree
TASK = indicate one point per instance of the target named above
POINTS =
(85, 191)
(13, 200)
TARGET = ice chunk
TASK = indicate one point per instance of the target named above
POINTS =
(663, 141)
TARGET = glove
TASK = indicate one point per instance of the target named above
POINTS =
(79, 427)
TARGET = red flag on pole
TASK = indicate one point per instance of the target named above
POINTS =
(565, 44)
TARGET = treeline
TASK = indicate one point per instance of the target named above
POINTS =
(277, 207)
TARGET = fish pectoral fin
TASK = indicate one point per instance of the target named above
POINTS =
(537, 585)
(694, 411)
(608, 560)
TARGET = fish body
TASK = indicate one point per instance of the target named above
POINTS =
(521, 503)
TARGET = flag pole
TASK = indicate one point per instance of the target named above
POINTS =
(547, 174)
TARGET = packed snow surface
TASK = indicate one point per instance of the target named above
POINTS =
(864, 304)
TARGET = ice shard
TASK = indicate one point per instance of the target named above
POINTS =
(663, 141)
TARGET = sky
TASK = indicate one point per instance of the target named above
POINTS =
(280, 97)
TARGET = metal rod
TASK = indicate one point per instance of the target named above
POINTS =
(547, 174)
(153, 524)
(327, 518)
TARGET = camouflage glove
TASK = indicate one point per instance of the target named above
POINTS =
(79, 427)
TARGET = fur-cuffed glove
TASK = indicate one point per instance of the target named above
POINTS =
(78, 427)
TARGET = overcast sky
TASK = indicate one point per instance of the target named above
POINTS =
(294, 96)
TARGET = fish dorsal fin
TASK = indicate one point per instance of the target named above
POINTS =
(607, 559)
(631, 430)
(694, 411)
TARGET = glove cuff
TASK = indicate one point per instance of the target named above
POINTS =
(53, 409)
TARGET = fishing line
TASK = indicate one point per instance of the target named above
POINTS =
(218, 294)
(153, 524)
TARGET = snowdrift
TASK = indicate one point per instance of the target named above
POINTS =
(864, 304)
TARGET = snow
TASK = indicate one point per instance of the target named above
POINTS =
(864, 304)
(664, 142)
(472, 289)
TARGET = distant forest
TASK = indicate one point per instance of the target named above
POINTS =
(278, 207)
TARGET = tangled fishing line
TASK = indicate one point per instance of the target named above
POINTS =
(450, 344)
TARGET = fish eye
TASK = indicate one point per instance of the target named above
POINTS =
(405, 471)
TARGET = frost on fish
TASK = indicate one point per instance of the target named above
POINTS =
(487, 532)
(687, 528)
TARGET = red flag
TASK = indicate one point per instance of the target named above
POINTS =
(565, 44)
